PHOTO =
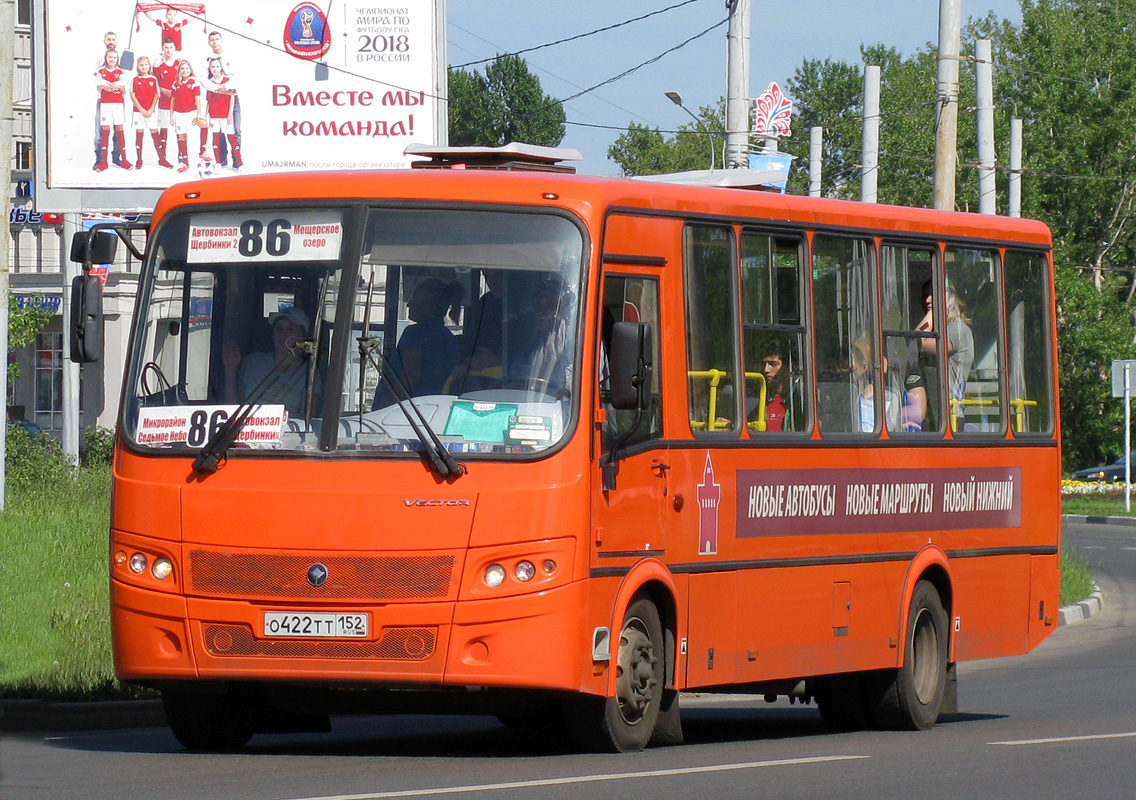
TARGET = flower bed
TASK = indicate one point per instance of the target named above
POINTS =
(1092, 487)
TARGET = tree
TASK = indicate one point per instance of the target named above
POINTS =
(23, 325)
(504, 105)
(644, 151)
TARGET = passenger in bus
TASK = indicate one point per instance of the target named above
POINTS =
(539, 358)
(960, 339)
(903, 409)
(427, 350)
(279, 376)
(777, 416)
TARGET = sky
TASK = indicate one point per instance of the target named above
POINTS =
(782, 36)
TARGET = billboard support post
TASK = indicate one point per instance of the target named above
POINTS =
(7, 64)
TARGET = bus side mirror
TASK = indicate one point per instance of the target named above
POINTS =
(86, 319)
(97, 248)
(630, 365)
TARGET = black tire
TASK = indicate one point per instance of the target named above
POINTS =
(668, 726)
(208, 722)
(842, 702)
(626, 722)
(910, 698)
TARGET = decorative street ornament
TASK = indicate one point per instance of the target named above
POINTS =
(772, 113)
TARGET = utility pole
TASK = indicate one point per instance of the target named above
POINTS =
(737, 85)
(72, 224)
(8, 65)
(1015, 204)
(946, 96)
(870, 144)
(984, 117)
(816, 140)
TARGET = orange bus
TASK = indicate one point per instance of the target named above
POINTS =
(514, 441)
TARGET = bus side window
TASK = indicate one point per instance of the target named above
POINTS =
(1028, 343)
(911, 338)
(973, 310)
(848, 384)
(708, 258)
(772, 334)
(631, 299)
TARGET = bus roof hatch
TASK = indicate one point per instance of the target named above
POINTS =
(513, 155)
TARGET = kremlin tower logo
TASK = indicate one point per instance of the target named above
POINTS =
(709, 495)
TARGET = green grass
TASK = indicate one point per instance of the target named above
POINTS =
(1076, 580)
(55, 636)
(1098, 505)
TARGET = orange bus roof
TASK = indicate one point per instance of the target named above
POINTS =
(524, 187)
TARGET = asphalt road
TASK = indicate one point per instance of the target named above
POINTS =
(1058, 723)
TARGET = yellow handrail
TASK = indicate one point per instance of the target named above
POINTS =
(716, 376)
(955, 403)
(1019, 404)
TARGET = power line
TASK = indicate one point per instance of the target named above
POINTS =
(397, 87)
(546, 72)
(625, 73)
(577, 36)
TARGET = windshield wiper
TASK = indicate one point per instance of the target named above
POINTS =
(440, 459)
(213, 453)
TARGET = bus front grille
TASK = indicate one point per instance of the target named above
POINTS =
(396, 644)
(274, 576)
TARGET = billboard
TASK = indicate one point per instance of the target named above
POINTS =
(144, 95)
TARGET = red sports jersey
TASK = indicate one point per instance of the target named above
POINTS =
(217, 103)
(145, 88)
(185, 96)
(172, 31)
(166, 75)
(110, 76)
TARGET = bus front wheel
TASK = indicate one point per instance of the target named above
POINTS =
(910, 697)
(624, 723)
(208, 722)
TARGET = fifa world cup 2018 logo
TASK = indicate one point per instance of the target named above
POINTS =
(306, 18)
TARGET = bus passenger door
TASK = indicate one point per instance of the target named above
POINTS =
(630, 519)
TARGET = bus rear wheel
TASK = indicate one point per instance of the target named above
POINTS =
(624, 723)
(911, 697)
(208, 722)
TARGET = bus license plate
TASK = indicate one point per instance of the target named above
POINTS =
(321, 625)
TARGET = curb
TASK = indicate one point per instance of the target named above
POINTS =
(41, 715)
(1124, 522)
(1078, 612)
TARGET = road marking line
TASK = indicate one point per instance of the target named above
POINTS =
(618, 776)
(1069, 739)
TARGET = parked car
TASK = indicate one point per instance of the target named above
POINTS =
(32, 429)
(1110, 473)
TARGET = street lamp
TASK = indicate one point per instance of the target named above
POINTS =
(676, 98)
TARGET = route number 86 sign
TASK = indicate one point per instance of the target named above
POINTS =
(277, 235)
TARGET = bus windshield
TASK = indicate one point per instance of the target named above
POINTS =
(356, 331)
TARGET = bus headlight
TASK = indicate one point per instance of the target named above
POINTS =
(524, 571)
(494, 575)
(162, 569)
(138, 563)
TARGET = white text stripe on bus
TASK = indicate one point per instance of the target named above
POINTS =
(1069, 739)
(618, 776)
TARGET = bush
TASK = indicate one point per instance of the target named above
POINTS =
(98, 447)
(35, 462)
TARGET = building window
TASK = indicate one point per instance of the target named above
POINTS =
(23, 155)
(24, 12)
(49, 381)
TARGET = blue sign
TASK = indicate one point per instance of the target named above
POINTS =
(777, 162)
(40, 302)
